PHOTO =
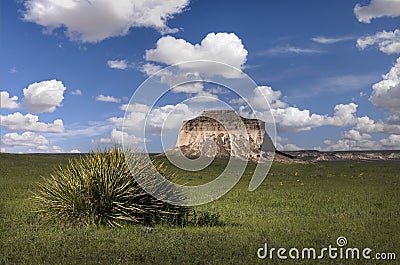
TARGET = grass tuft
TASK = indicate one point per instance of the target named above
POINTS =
(100, 189)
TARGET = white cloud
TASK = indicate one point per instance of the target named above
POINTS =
(377, 9)
(76, 92)
(226, 48)
(344, 115)
(355, 135)
(29, 122)
(290, 50)
(394, 119)
(204, 97)
(366, 124)
(386, 93)
(292, 119)
(7, 102)
(353, 140)
(284, 145)
(103, 98)
(347, 145)
(393, 141)
(74, 151)
(44, 96)
(182, 82)
(119, 137)
(150, 69)
(129, 139)
(289, 147)
(29, 139)
(219, 90)
(93, 21)
(238, 101)
(137, 107)
(325, 40)
(387, 41)
(168, 117)
(265, 93)
(92, 129)
(118, 64)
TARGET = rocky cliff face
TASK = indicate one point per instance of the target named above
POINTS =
(207, 135)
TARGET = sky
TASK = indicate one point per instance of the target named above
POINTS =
(76, 75)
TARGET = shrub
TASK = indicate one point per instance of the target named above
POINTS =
(99, 188)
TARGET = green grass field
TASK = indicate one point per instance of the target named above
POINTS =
(301, 205)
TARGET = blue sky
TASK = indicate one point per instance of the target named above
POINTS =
(330, 70)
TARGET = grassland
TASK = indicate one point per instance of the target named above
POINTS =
(301, 205)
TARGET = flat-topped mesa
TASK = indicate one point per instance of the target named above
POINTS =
(207, 135)
(218, 120)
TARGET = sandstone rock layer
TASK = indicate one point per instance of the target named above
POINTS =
(223, 133)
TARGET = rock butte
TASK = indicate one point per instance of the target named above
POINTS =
(207, 135)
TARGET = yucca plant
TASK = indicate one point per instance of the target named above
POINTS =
(100, 188)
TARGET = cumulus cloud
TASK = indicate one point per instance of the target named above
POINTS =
(50, 149)
(93, 21)
(150, 69)
(288, 119)
(7, 102)
(393, 142)
(354, 140)
(103, 98)
(118, 64)
(29, 122)
(284, 145)
(366, 124)
(325, 40)
(119, 137)
(238, 101)
(204, 97)
(182, 82)
(387, 41)
(29, 139)
(129, 139)
(355, 135)
(394, 119)
(292, 119)
(74, 151)
(377, 9)
(386, 93)
(168, 118)
(136, 107)
(44, 96)
(222, 47)
(266, 93)
(347, 145)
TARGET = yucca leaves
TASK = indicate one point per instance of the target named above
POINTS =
(99, 188)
